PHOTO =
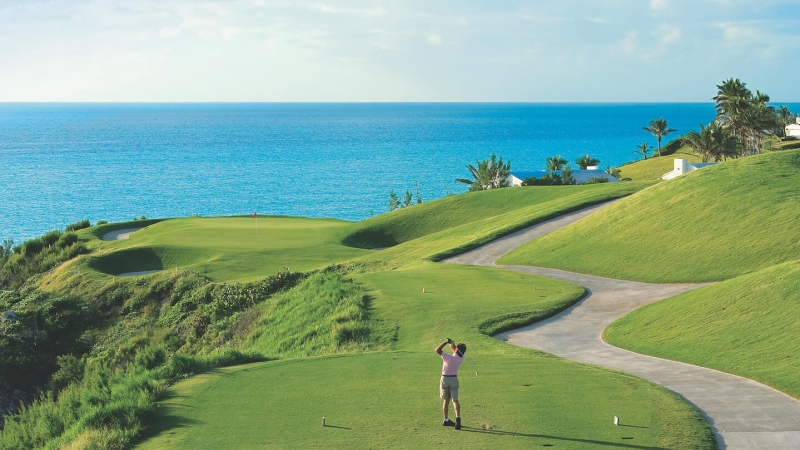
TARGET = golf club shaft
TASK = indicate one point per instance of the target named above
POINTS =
(473, 365)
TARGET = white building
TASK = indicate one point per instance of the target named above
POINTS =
(581, 176)
(683, 166)
(794, 129)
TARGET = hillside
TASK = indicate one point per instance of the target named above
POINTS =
(713, 224)
(746, 326)
(423, 219)
(533, 396)
(362, 328)
(653, 168)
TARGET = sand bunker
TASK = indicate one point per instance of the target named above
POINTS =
(135, 274)
(119, 235)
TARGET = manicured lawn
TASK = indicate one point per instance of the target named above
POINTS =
(390, 400)
(458, 300)
(713, 224)
(746, 326)
(521, 398)
(405, 224)
(463, 236)
(653, 168)
(230, 248)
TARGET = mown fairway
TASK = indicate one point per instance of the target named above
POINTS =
(420, 220)
(230, 248)
(520, 399)
(746, 326)
(389, 400)
(709, 225)
(459, 236)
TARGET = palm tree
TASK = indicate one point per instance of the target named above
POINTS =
(556, 162)
(489, 174)
(785, 117)
(734, 104)
(659, 129)
(616, 173)
(585, 161)
(566, 176)
(712, 142)
(643, 149)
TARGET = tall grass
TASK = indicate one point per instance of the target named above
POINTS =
(170, 327)
(327, 313)
(39, 255)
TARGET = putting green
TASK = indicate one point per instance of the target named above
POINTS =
(230, 248)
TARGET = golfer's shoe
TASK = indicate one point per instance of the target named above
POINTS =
(458, 423)
(448, 423)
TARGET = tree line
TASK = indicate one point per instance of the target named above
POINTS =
(743, 123)
(494, 173)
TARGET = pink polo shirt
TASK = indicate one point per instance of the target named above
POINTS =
(451, 363)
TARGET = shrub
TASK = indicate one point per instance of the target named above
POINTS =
(51, 238)
(67, 239)
(32, 247)
(596, 180)
(79, 225)
(548, 179)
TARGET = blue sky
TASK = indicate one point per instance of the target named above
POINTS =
(277, 50)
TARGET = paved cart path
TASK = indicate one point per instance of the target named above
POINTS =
(742, 413)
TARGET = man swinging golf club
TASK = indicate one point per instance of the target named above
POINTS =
(448, 386)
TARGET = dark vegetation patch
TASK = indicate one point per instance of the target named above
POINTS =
(128, 260)
(37, 256)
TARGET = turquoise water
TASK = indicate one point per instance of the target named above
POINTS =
(65, 162)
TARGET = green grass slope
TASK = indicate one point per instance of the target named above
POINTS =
(229, 248)
(360, 335)
(409, 223)
(746, 326)
(653, 168)
(520, 399)
(464, 236)
(713, 224)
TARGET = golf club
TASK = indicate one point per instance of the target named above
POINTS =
(450, 341)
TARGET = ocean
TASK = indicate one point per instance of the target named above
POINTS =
(61, 163)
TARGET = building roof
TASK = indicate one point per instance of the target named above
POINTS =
(579, 175)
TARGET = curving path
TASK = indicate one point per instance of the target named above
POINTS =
(743, 414)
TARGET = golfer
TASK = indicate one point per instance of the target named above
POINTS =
(448, 386)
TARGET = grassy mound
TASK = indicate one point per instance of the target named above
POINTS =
(461, 237)
(228, 248)
(653, 168)
(746, 326)
(520, 398)
(406, 224)
(713, 224)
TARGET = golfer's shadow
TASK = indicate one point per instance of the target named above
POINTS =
(334, 426)
(557, 438)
